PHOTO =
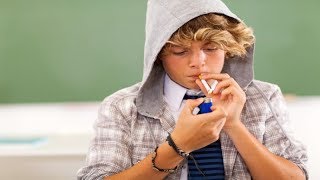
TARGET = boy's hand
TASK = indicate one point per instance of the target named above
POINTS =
(227, 94)
(193, 132)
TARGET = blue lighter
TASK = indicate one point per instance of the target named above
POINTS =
(205, 106)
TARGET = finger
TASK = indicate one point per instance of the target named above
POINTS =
(227, 92)
(218, 108)
(216, 76)
(221, 124)
(191, 104)
(214, 116)
(226, 83)
(213, 108)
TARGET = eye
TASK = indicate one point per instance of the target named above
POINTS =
(210, 49)
(179, 53)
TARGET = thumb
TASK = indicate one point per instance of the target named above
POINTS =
(219, 110)
(191, 104)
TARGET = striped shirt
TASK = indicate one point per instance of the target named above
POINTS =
(209, 163)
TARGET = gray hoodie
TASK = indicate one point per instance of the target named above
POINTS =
(163, 19)
(134, 120)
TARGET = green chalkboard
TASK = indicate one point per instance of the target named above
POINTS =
(77, 50)
(287, 45)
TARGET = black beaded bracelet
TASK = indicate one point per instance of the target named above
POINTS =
(176, 148)
(159, 169)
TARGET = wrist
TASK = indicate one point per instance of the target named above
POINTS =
(176, 148)
(232, 127)
(164, 157)
(156, 168)
(179, 142)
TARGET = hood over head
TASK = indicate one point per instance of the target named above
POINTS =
(163, 18)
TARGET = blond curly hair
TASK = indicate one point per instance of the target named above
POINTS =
(227, 33)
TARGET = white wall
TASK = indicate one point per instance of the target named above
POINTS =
(66, 130)
(305, 117)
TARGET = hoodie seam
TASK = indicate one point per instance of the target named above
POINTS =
(300, 165)
(272, 111)
(169, 11)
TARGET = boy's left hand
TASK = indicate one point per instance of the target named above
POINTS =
(227, 94)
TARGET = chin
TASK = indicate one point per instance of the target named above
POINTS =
(192, 86)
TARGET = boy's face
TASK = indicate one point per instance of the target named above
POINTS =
(184, 65)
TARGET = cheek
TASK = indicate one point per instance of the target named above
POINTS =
(167, 65)
(218, 59)
(221, 56)
(173, 64)
(217, 62)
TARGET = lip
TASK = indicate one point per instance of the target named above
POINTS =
(194, 76)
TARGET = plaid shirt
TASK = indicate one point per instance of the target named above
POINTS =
(124, 136)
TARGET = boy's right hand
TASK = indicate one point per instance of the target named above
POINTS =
(193, 132)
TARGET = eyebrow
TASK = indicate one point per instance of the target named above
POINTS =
(209, 43)
(177, 46)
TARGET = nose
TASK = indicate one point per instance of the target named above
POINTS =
(198, 59)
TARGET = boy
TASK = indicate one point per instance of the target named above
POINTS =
(150, 130)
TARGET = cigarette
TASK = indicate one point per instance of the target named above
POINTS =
(206, 85)
(214, 85)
